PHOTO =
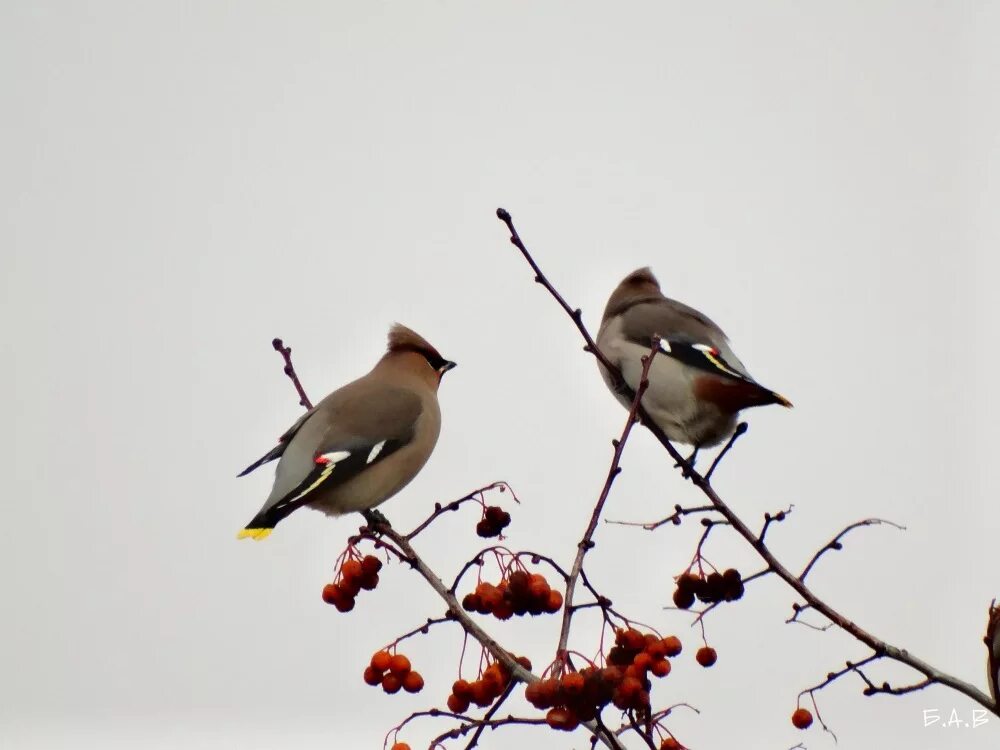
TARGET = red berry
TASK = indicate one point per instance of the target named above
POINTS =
(554, 602)
(457, 705)
(400, 746)
(504, 610)
(671, 645)
(660, 668)
(683, 599)
(380, 660)
(371, 565)
(344, 604)
(656, 650)
(642, 661)
(350, 586)
(482, 693)
(368, 581)
(351, 569)
(413, 682)
(630, 687)
(572, 684)
(391, 684)
(331, 593)
(485, 529)
(802, 718)
(372, 676)
(399, 665)
(462, 689)
(706, 656)
(670, 744)
(562, 718)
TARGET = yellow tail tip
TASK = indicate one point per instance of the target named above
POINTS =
(257, 534)
(783, 401)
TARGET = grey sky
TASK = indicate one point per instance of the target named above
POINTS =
(181, 183)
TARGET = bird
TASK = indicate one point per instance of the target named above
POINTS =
(363, 443)
(697, 385)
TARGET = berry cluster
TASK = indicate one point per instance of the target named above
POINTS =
(485, 690)
(494, 521)
(354, 575)
(580, 696)
(715, 587)
(518, 594)
(392, 672)
(802, 718)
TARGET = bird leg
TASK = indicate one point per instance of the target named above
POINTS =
(689, 461)
(375, 519)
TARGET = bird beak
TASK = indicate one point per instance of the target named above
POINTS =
(445, 367)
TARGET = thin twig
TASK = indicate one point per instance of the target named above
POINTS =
(489, 715)
(741, 429)
(440, 509)
(778, 517)
(587, 542)
(286, 354)
(835, 544)
(674, 518)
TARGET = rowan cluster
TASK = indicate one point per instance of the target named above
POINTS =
(715, 587)
(520, 594)
(579, 696)
(393, 672)
(494, 521)
(354, 575)
(482, 692)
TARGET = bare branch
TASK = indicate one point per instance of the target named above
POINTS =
(286, 354)
(587, 542)
(835, 543)
(741, 429)
(674, 518)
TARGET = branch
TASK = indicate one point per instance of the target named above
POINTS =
(587, 542)
(674, 518)
(286, 353)
(703, 484)
(835, 544)
(440, 510)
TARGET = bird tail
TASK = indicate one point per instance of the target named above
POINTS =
(254, 533)
(271, 455)
(781, 400)
(261, 526)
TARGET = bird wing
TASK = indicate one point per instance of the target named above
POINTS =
(685, 334)
(279, 449)
(355, 430)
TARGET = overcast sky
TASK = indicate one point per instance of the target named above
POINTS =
(183, 182)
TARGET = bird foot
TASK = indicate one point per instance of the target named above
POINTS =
(376, 519)
(690, 461)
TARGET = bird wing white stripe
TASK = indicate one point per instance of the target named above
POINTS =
(332, 459)
(375, 451)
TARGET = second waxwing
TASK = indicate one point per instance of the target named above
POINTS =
(697, 385)
(363, 443)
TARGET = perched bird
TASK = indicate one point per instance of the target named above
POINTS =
(697, 386)
(363, 443)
